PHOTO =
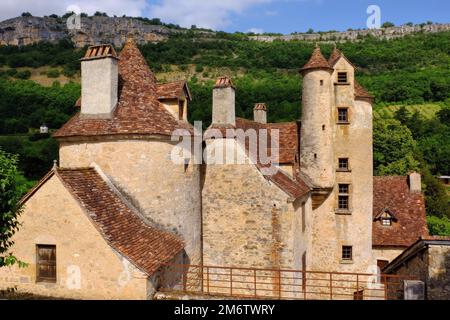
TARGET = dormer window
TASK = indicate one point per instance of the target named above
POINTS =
(342, 77)
(386, 218)
(387, 222)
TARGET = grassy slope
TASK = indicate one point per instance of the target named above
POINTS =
(428, 110)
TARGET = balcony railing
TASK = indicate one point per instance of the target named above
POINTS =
(256, 283)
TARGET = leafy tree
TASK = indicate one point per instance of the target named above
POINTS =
(394, 148)
(436, 197)
(387, 24)
(26, 14)
(438, 226)
(9, 208)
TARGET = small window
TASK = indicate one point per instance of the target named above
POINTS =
(46, 263)
(342, 77)
(180, 110)
(343, 164)
(321, 82)
(344, 196)
(347, 253)
(387, 222)
(342, 115)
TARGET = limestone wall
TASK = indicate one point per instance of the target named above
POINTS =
(167, 193)
(87, 267)
(386, 253)
(438, 286)
(248, 222)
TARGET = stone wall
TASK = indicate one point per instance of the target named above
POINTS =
(386, 253)
(167, 194)
(438, 286)
(53, 217)
(249, 222)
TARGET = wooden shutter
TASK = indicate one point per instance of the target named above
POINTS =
(46, 263)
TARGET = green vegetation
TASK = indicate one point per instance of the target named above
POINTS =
(9, 207)
(408, 76)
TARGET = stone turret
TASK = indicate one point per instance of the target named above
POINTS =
(317, 124)
(99, 82)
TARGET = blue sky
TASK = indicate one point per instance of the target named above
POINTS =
(281, 16)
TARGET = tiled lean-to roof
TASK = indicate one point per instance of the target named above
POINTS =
(173, 90)
(147, 247)
(392, 194)
(138, 110)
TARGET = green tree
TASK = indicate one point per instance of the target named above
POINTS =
(9, 208)
(387, 24)
(394, 148)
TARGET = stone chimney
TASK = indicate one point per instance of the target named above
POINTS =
(223, 110)
(99, 82)
(414, 181)
(260, 113)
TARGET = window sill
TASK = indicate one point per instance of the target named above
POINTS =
(343, 170)
(342, 123)
(344, 212)
(342, 83)
(346, 261)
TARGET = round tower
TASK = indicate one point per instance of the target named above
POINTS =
(316, 147)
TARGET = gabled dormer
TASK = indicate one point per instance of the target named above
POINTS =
(386, 217)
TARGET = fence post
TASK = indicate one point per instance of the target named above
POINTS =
(231, 281)
(207, 278)
(254, 281)
(331, 286)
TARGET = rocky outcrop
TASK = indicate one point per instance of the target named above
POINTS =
(385, 33)
(98, 29)
(92, 31)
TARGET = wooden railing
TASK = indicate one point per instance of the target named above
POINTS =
(257, 283)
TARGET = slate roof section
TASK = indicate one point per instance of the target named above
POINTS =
(173, 90)
(147, 247)
(392, 193)
(138, 110)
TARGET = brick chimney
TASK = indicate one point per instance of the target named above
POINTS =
(99, 82)
(415, 182)
(223, 109)
(260, 113)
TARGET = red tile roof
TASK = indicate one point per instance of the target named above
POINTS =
(173, 90)
(362, 93)
(294, 187)
(138, 110)
(392, 193)
(317, 61)
(147, 247)
(335, 55)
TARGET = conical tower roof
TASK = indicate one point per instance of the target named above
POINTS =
(335, 55)
(317, 61)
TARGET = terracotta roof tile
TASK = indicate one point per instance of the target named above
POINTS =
(260, 106)
(223, 82)
(361, 92)
(317, 61)
(392, 193)
(145, 246)
(172, 90)
(335, 55)
(138, 111)
(288, 141)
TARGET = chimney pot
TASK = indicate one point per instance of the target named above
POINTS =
(224, 102)
(260, 113)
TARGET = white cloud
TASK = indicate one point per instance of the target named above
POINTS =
(256, 30)
(13, 8)
(212, 14)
